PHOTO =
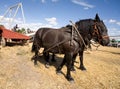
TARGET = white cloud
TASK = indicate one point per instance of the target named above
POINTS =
(104, 20)
(113, 31)
(112, 21)
(8, 20)
(52, 21)
(118, 23)
(84, 4)
(43, 1)
(114, 27)
(35, 26)
(86, 8)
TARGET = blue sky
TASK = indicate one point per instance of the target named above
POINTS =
(57, 13)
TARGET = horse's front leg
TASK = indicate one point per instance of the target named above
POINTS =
(81, 61)
(73, 61)
(46, 57)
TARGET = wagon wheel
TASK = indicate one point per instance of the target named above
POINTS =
(3, 42)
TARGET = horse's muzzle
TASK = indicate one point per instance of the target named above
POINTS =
(105, 40)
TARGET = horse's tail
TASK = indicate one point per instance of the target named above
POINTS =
(34, 45)
(37, 41)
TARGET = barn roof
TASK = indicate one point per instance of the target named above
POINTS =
(12, 35)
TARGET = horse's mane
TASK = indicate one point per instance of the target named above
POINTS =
(81, 23)
(83, 20)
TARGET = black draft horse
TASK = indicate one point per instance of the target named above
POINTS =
(66, 42)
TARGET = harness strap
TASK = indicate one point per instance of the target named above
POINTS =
(71, 36)
(79, 34)
(57, 44)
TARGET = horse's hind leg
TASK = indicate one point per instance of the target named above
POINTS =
(36, 50)
(36, 57)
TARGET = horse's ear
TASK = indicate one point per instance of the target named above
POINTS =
(97, 18)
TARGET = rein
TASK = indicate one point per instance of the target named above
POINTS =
(95, 45)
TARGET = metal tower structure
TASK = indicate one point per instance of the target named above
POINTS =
(12, 15)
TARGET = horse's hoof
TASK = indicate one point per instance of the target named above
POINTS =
(70, 79)
(36, 66)
(58, 72)
(72, 69)
(33, 58)
(82, 68)
(35, 63)
(47, 65)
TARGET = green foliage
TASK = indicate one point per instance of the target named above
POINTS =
(113, 40)
(22, 30)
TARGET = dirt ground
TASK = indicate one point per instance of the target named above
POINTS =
(17, 71)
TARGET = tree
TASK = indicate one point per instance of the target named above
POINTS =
(22, 30)
(113, 40)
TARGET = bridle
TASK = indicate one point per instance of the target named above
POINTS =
(96, 32)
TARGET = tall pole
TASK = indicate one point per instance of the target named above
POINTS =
(22, 13)
(9, 11)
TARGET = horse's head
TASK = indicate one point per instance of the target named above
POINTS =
(99, 31)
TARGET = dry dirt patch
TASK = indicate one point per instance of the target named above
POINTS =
(17, 71)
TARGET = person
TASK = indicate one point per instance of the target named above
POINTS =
(15, 28)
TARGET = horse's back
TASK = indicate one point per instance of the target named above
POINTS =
(51, 36)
